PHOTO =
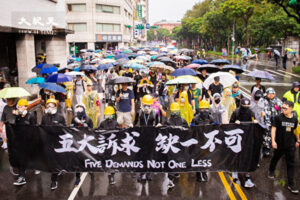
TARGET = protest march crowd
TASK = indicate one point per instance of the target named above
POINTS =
(157, 87)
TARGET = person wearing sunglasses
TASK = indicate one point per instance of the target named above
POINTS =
(285, 139)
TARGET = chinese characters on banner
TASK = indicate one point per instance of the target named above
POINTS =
(142, 149)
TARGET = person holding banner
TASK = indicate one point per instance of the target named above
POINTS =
(203, 118)
(110, 122)
(53, 118)
(243, 114)
(285, 138)
(23, 117)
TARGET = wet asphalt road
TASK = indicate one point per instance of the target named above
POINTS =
(219, 185)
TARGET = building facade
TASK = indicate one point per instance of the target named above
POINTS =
(141, 20)
(27, 29)
(167, 25)
(99, 24)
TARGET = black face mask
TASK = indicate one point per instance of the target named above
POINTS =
(217, 101)
(204, 114)
(256, 98)
(81, 115)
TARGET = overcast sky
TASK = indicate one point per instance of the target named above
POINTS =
(171, 10)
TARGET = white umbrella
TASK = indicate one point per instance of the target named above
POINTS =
(226, 79)
(106, 61)
(276, 52)
(74, 73)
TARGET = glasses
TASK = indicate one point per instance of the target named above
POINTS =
(284, 108)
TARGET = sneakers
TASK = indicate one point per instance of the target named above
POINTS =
(53, 185)
(271, 175)
(36, 172)
(202, 177)
(111, 179)
(249, 183)
(77, 181)
(20, 181)
(293, 189)
(4, 145)
(170, 184)
(12, 171)
(237, 181)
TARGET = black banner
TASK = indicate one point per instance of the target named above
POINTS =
(228, 147)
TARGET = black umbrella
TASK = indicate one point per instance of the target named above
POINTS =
(220, 62)
(209, 68)
(235, 68)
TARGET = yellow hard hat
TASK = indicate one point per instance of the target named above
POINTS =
(174, 107)
(109, 111)
(147, 100)
(22, 102)
(52, 101)
(204, 104)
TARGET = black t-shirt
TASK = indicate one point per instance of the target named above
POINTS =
(215, 89)
(285, 127)
(161, 87)
(129, 74)
(262, 88)
(202, 77)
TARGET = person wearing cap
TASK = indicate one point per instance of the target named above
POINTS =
(236, 94)
(23, 117)
(53, 118)
(215, 87)
(126, 106)
(258, 85)
(285, 139)
(218, 111)
(91, 101)
(243, 114)
(293, 95)
(272, 106)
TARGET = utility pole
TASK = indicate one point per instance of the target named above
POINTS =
(233, 39)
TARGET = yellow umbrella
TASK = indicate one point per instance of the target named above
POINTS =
(289, 49)
(198, 80)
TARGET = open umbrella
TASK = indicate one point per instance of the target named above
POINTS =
(153, 53)
(63, 69)
(209, 68)
(52, 87)
(200, 62)
(127, 51)
(13, 92)
(183, 71)
(106, 61)
(220, 62)
(256, 49)
(73, 65)
(121, 55)
(122, 61)
(269, 48)
(235, 68)
(260, 74)
(276, 52)
(192, 66)
(48, 69)
(83, 51)
(90, 50)
(36, 80)
(135, 61)
(288, 49)
(226, 79)
(105, 66)
(184, 80)
(143, 58)
(123, 79)
(87, 68)
(181, 57)
(135, 66)
(74, 73)
(59, 78)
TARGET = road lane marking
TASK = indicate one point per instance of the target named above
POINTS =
(238, 189)
(226, 186)
(289, 73)
(76, 189)
(288, 76)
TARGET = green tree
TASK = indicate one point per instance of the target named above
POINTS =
(163, 34)
(150, 35)
(290, 7)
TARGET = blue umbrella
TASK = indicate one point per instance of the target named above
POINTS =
(87, 68)
(155, 63)
(105, 66)
(183, 71)
(90, 50)
(77, 69)
(235, 68)
(122, 61)
(199, 62)
(121, 56)
(36, 80)
(77, 59)
(136, 66)
(40, 66)
(97, 51)
(53, 87)
(219, 62)
(59, 78)
(48, 69)
(260, 74)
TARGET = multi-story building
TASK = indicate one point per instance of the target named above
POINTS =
(167, 25)
(141, 18)
(99, 24)
(28, 28)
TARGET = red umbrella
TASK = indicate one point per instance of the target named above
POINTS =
(192, 66)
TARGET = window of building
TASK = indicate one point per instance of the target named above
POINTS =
(108, 27)
(108, 9)
(76, 7)
(77, 26)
